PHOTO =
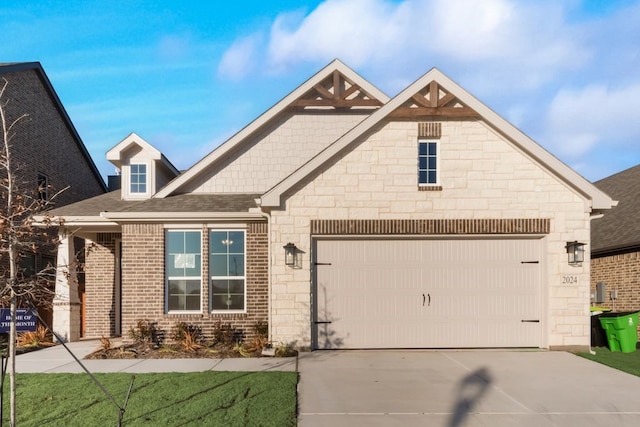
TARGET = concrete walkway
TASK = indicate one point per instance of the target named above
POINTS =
(57, 359)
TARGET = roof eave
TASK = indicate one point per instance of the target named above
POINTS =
(121, 217)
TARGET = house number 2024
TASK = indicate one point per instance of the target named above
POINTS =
(569, 280)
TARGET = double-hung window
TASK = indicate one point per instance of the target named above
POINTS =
(427, 163)
(227, 269)
(184, 270)
(138, 176)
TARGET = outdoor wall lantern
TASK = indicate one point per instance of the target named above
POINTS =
(290, 254)
(575, 252)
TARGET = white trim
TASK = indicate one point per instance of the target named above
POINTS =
(281, 106)
(243, 277)
(167, 277)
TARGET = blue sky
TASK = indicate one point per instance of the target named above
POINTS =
(186, 77)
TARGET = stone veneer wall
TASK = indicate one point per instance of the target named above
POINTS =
(143, 281)
(620, 272)
(482, 177)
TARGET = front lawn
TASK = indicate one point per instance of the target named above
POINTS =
(167, 399)
(627, 362)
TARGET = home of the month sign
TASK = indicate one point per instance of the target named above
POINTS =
(25, 320)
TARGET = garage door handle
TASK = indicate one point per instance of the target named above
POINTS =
(424, 299)
(530, 321)
(323, 322)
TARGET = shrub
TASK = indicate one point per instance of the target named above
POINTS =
(189, 337)
(40, 337)
(225, 334)
(144, 332)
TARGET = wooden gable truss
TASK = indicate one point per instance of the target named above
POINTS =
(337, 91)
(433, 102)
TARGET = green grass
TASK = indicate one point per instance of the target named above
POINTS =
(627, 362)
(167, 399)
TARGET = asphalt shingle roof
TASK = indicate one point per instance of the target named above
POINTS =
(111, 202)
(619, 228)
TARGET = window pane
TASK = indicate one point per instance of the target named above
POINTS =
(237, 237)
(432, 148)
(237, 302)
(432, 163)
(219, 286)
(236, 286)
(218, 265)
(422, 149)
(432, 177)
(422, 162)
(175, 242)
(192, 242)
(422, 177)
(216, 240)
(236, 265)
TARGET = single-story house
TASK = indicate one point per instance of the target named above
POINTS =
(348, 219)
(615, 245)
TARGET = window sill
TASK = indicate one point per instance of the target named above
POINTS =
(430, 188)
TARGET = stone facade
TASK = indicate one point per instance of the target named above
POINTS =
(483, 176)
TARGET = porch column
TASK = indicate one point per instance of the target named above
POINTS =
(66, 303)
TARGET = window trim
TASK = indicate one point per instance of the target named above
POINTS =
(437, 169)
(243, 277)
(167, 310)
(146, 180)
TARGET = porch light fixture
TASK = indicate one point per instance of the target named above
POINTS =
(290, 254)
(575, 252)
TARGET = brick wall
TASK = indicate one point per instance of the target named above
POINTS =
(143, 281)
(99, 286)
(622, 273)
(44, 143)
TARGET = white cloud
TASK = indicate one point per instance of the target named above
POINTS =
(580, 120)
(238, 61)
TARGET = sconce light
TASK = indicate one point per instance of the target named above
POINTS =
(575, 252)
(290, 254)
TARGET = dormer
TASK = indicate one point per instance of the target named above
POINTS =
(143, 169)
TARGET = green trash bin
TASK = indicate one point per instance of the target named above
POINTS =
(621, 329)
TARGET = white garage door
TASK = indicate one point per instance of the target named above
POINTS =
(427, 293)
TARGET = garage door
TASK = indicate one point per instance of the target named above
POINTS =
(427, 293)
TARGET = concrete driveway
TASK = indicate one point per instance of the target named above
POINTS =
(463, 388)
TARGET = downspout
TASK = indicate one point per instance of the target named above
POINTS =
(267, 216)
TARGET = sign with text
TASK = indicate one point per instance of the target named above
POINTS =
(25, 320)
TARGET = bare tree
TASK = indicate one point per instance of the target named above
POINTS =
(19, 203)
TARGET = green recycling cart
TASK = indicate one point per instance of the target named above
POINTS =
(621, 329)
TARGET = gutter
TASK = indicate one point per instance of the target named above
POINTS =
(121, 217)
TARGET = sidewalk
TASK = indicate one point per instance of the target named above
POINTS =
(57, 360)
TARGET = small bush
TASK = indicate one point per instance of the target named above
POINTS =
(260, 336)
(40, 337)
(189, 337)
(144, 332)
(225, 334)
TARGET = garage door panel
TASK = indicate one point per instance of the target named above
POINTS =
(428, 293)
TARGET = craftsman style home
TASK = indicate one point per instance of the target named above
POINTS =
(48, 156)
(346, 219)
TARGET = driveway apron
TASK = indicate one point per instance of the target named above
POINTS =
(463, 388)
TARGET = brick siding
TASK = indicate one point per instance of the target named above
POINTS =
(143, 284)
(620, 272)
(99, 286)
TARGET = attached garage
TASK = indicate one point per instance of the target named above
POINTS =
(417, 293)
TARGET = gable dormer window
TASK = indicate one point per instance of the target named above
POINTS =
(138, 177)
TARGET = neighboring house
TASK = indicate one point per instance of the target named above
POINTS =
(615, 245)
(350, 220)
(46, 148)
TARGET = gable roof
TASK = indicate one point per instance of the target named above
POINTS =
(309, 94)
(37, 67)
(450, 96)
(114, 155)
(619, 229)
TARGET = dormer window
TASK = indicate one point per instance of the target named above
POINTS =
(138, 179)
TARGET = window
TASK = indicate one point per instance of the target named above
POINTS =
(43, 186)
(427, 163)
(227, 270)
(138, 179)
(183, 270)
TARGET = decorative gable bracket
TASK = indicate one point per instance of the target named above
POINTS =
(337, 91)
(434, 102)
